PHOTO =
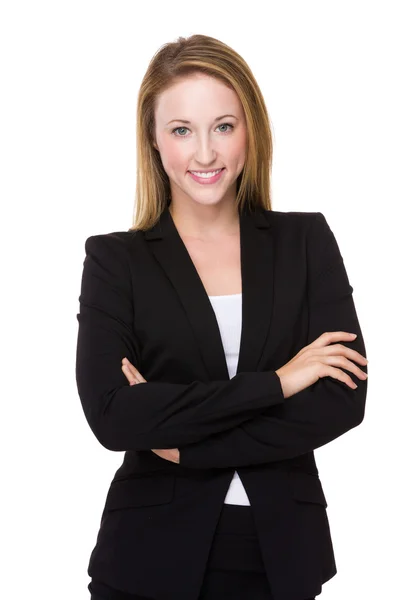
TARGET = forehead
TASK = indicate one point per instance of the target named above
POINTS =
(197, 96)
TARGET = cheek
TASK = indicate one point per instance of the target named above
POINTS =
(172, 156)
(237, 150)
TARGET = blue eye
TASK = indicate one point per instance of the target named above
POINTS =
(222, 125)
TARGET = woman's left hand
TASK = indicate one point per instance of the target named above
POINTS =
(134, 377)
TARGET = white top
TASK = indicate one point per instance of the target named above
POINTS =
(228, 310)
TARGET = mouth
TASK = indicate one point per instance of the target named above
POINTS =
(208, 177)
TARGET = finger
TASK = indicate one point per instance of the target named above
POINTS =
(344, 363)
(340, 350)
(131, 367)
(167, 454)
(138, 376)
(159, 453)
(129, 375)
(332, 336)
(134, 371)
(349, 352)
(340, 375)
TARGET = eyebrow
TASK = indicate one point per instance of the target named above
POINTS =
(188, 122)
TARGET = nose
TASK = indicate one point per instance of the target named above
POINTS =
(205, 154)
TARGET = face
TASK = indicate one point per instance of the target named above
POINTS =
(203, 143)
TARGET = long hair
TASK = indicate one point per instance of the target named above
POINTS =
(173, 62)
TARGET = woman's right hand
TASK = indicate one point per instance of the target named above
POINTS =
(319, 359)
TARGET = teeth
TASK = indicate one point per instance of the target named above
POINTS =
(206, 175)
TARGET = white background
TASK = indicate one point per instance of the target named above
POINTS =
(334, 77)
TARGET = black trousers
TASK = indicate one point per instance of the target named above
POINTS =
(234, 569)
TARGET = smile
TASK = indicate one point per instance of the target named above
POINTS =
(206, 178)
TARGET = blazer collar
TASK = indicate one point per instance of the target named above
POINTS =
(257, 289)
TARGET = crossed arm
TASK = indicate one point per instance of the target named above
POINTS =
(321, 412)
(261, 438)
(157, 414)
(233, 423)
(134, 377)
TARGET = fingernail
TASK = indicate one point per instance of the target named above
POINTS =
(353, 334)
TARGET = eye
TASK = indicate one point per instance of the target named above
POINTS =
(222, 125)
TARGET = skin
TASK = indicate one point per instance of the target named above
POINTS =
(201, 213)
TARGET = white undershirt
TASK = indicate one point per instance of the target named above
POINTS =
(228, 310)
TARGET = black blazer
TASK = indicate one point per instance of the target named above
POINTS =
(141, 297)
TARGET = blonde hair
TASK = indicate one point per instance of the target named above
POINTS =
(173, 62)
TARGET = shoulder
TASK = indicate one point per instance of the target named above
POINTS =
(299, 223)
(120, 238)
(117, 242)
(293, 218)
(108, 254)
(309, 231)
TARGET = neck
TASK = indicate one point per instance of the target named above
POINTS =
(205, 222)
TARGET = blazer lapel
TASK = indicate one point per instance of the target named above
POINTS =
(257, 289)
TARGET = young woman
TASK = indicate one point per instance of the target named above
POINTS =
(218, 346)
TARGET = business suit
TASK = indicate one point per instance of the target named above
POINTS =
(141, 297)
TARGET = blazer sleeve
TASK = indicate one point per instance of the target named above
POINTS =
(321, 412)
(154, 414)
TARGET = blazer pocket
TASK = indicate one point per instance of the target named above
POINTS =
(140, 491)
(307, 487)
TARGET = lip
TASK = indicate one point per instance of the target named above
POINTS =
(207, 180)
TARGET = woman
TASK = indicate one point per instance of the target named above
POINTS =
(216, 348)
